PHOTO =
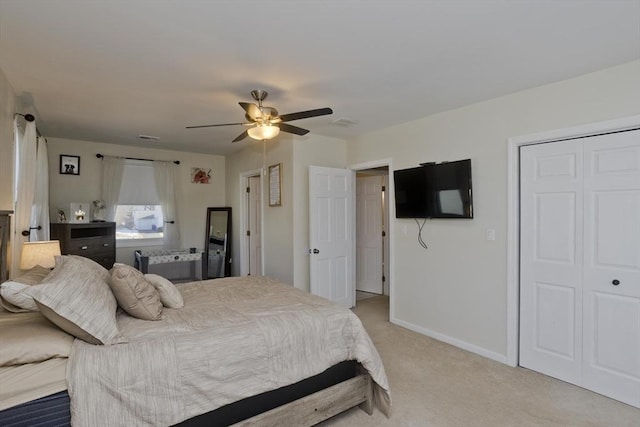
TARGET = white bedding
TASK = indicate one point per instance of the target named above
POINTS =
(234, 338)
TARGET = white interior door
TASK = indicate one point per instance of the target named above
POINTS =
(369, 262)
(331, 240)
(551, 259)
(255, 227)
(612, 266)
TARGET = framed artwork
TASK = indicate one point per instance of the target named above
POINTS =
(200, 176)
(69, 165)
(275, 185)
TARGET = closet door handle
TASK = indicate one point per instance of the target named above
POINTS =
(84, 248)
(615, 282)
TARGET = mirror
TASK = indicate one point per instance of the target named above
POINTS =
(217, 246)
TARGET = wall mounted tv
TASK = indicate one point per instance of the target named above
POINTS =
(434, 190)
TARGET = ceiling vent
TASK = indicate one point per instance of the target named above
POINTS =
(344, 122)
(148, 137)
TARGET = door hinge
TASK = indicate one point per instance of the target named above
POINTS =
(384, 188)
(248, 232)
(248, 190)
(384, 279)
(384, 233)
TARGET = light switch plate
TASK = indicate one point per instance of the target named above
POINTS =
(491, 234)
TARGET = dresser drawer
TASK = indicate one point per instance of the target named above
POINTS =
(90, 246)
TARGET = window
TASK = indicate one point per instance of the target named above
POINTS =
(139, 214)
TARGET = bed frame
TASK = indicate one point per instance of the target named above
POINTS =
(304, 403)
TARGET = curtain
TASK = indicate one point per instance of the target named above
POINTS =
(25, 182)
(166, 174)
(40, 208)
(112, 171)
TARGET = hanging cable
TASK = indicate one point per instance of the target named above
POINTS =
(421, 242)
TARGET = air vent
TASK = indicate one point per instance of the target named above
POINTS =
(345, 122)
(148, 137)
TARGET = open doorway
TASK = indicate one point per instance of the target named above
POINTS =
(251, 260)
(372, 253)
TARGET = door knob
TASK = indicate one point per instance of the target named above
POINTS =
(615, 282)
(315, 251)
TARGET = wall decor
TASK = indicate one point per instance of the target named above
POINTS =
(69, 165)
(200, 176)
(275, 185)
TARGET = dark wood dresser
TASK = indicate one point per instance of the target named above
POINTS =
(94, 240)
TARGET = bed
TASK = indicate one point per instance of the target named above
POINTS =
(240, 350)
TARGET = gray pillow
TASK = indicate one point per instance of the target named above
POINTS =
(135, 294)
(76, 297)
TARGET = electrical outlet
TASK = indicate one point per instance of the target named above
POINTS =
(491, 234)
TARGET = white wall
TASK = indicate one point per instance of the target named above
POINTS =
(7, 110)
(194, 198)
(456, 290)
(286, 227)
(278, 220)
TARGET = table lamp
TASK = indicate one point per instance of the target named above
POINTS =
(39, 253)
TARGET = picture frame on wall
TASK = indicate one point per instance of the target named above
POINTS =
(69, 165)
(275, 185)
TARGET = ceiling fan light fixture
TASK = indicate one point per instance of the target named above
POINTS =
(263, 132)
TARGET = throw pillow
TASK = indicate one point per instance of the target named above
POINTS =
(169, 295)
(134, 293)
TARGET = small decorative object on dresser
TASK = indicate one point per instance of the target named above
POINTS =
(79, 212)
(95, 240)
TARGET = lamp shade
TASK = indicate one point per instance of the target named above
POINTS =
(263, 132)
(39, 253)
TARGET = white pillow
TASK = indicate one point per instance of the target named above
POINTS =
(169, 295)
(18, 294)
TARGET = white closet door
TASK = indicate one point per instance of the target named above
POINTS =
(551, 259)
(612, 266)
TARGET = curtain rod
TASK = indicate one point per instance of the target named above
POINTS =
(30, 117)
(177, 162)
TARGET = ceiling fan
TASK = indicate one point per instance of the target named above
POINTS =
(265, 122)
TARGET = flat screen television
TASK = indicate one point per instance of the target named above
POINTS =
(412, 197)
(449, 189)
(434, 190)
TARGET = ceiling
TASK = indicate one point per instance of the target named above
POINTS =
(109, 71)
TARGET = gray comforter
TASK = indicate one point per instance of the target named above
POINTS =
(234, 338)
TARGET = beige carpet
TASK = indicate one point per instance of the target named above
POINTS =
(436, 384)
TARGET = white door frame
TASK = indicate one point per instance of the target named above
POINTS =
(388, 162)
(513, 210)
(244, 224)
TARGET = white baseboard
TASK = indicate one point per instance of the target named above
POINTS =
(453, 341)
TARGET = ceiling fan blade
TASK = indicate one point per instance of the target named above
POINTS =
(305, 114)
(212, 126)
(240, 137)
(291, 129)
(252, 110)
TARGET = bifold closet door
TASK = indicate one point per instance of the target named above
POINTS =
(580, 262)
(611, 356)
(551, 259)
